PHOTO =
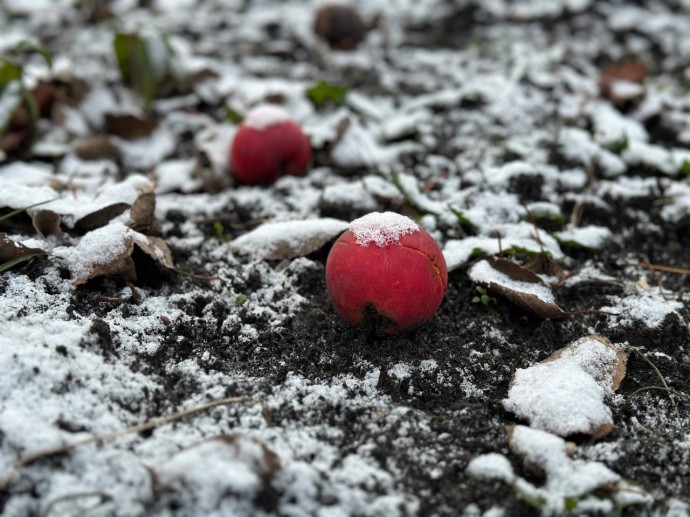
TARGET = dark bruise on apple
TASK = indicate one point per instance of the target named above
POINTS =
(403, 280)
(267, 145)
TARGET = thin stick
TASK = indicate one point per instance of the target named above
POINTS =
(51, 451)
(665, 269)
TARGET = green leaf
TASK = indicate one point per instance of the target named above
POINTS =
(241, 298)
(570, 503)
(618, 146)
(24, 258)
(325, 92)
(233, 116)
(685, 168)
(139, 59)
(9, 72)
(476, 299)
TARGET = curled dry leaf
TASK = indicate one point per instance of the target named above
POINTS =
(278, 241)
(95, 148)
(100, 217)
(107, 251)
(518, 285)
(626, 72)
(130, 127)
(46, 223)
(340, 25)
(13, 253)
(565, 393)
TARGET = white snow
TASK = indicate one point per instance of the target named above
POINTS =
(381, 229)
(593, 237)
(566, 395)
(288, 239)
(482, 272)
(266, 115)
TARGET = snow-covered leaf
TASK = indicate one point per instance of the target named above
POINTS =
(107, 251)
(13, 253)
(286, 240)
(592, 237)
(517, 285)
(565, 394)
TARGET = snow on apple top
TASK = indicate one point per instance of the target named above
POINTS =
(381, 228)
(266, 115)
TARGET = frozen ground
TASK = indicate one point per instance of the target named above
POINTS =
(484, 121)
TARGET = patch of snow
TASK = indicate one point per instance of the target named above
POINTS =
(288, 239)
(566, 395)
(483, 272)
(266, 115)
(381, 229)
(649, 308)
(651, 156)
(592, 237)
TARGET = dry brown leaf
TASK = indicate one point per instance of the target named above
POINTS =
(46, 223)
(109, 251)
(142, 212)
(563, 398)
(100, 217)
(629, 71)
(95, 148)
(516, 283)
(130, 127)
(341, 26)
(11, 250)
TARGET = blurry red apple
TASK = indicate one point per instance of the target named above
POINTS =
(268, 144)
(385, 262)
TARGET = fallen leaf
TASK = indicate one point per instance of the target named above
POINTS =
(564, 394)
(130, 127)
(95, 148)
(107, 251)
(46, 223)
(142, 212)
(13, 253)
(518, 285)
(100, 217)
(287, 240)
(626, 71)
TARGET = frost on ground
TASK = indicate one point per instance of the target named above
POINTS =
(162, 286)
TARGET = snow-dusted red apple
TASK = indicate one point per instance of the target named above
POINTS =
(268, 144)
(387, 263)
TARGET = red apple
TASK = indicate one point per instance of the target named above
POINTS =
(386, 262)
(268, 144)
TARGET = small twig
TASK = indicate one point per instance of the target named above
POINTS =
(658, 278)
(104, 498)
(536, 228)
(665, 269)
(60, 449)
(195, 276)
(135, 295)
(578, 209)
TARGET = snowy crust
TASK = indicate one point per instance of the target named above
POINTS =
(266, 115)
(381, 228)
